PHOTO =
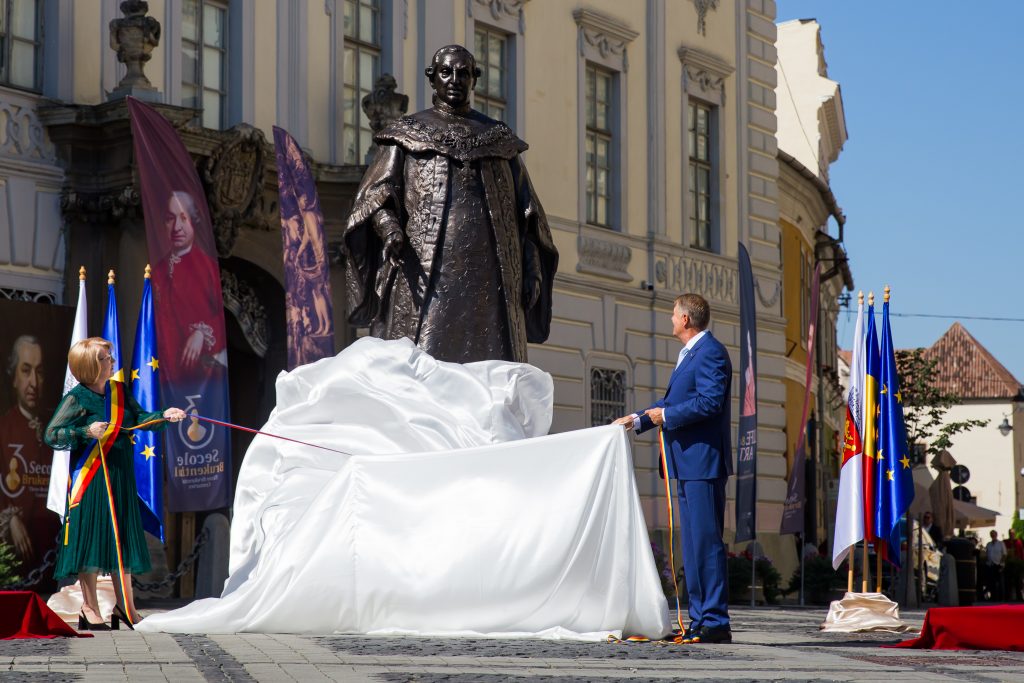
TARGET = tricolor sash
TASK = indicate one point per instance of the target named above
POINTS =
(91, 460)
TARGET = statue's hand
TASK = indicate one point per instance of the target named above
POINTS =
(393, 244)
(531, 290)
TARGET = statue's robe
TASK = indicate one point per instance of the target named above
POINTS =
(473, 231)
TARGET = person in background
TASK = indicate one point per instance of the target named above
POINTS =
(1014, 572)
(995, 558)
(89, 544)
(931, 528)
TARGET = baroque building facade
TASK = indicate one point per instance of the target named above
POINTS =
(654, 136)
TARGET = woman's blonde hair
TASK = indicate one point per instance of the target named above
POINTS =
(84, 359)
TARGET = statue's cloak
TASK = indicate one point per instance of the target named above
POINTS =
(413, 183)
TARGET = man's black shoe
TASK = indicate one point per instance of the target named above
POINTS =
(720, 634)
(688, 635)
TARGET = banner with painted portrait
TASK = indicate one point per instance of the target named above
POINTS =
(306, 267)
(191, 337)
(34, 352)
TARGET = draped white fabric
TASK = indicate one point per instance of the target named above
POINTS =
(458, 517)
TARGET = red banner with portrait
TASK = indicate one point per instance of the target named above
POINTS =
(191, 338)
(34, 349)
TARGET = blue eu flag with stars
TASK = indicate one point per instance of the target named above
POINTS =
(895, 475)
(147, 445)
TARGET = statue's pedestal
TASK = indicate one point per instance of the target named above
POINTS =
(138, 92)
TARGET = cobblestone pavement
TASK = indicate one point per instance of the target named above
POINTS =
(769, 644)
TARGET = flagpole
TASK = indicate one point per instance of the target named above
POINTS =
(878, 568)
(865, 568)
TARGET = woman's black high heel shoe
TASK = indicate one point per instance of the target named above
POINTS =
(117, 616)
(85, 625)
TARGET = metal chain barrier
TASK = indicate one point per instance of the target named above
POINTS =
(183, 567)
(36, 575)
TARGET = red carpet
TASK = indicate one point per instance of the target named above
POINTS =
(23, 614)
(999, 627)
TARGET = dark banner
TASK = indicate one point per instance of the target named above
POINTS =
(746, 441)
(306, 277)
(191, 363)
(796, 490)
(34, 350)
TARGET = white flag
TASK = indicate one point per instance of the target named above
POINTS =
(850, 506)
(56, 496)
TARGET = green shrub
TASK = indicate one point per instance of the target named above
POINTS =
(8, 564)
(739, 577)
(819, 579)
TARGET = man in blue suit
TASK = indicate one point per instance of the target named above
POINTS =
(694, 419)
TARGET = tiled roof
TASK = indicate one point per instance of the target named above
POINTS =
(966, 368)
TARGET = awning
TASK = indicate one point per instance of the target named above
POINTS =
(971, 515)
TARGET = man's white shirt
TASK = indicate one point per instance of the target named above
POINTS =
(683, 352)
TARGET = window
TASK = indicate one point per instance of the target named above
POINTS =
(491, 96)
(607, 395)
(599, 145)
(204, 31)
(362, 69)
(21, 30)
(699, 145)
(805, 295)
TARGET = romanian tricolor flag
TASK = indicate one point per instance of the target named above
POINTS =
(869, 436)
(849, 527)
(895, 483)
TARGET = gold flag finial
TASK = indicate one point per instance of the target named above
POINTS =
(871, 298)
(110, 277)
(887, 290)
(149, 272)
(860, 297)
(81, 273)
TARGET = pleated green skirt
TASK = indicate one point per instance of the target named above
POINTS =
(88, 537)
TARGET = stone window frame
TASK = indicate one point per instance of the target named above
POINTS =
(506, 17)
(201, 86)
(603, 42)
(239, 102)
(613, 363)
(7, 40)
(360, 48)
(393, 26)
(704, 80)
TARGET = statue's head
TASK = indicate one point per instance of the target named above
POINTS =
(452, 74)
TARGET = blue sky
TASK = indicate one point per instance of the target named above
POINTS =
(931, 178)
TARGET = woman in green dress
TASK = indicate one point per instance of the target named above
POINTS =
(88, 546)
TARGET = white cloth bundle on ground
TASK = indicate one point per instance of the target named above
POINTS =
(458, 517)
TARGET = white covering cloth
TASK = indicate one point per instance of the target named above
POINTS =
(456, 518)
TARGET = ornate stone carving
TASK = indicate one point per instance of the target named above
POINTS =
(773, 298)
(133, 37)
(602, 257)
(502, 8)
(22, 134)
(234, 177)
(702, 12)
(707, 81)
(605, 44)
(604, 38)
(382, 106)
(101, 207)
(244, 303)
(714, 281)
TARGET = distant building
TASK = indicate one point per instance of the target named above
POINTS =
(812, 131)
(994, 455)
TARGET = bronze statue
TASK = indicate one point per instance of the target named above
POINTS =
(447, 243)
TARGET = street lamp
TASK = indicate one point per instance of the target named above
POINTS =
(1004, 426)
